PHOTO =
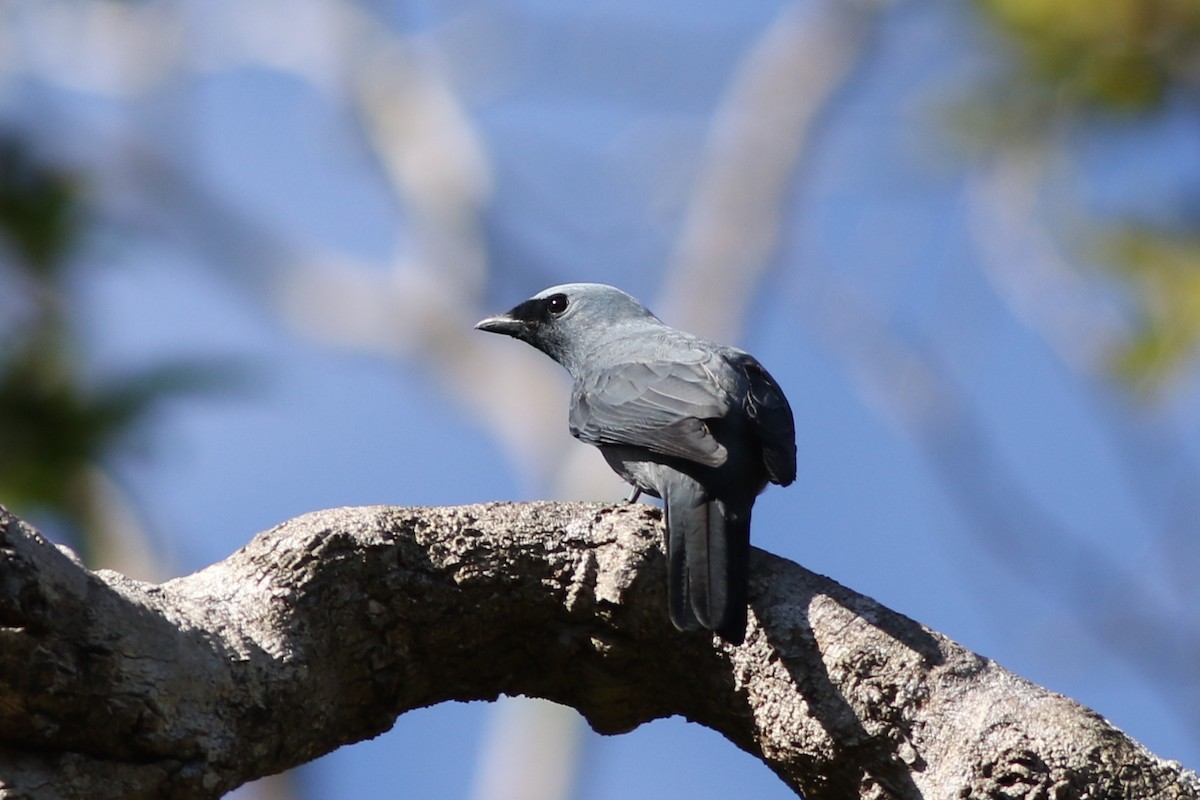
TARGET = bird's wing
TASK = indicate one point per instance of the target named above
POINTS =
(771, 418)
(659, 405)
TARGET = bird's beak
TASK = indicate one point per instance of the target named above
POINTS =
(501, 323)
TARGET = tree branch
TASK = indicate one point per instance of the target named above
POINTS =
(321, 631)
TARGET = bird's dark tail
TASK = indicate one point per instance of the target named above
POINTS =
(708, 549)
(686, 511)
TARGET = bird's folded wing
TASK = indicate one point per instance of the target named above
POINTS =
(771, 416)
(658, 405)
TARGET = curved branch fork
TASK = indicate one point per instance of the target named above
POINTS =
(321, 631)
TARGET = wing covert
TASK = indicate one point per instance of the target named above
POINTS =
(658, 405)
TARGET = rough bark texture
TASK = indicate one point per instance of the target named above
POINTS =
(321, 631)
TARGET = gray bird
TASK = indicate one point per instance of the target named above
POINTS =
(700, 425)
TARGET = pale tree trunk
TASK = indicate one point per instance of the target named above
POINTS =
(322, 630)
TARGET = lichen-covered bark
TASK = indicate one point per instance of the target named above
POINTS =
(322, 630)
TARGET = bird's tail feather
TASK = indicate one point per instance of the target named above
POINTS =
(728, 548)
(684, 514)
(708, 546)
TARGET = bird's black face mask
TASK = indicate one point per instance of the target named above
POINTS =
(531, 321)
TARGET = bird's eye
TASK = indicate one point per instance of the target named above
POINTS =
(556, 304)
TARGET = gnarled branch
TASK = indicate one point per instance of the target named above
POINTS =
(321, 631)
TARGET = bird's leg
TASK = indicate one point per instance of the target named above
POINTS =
(634, 495)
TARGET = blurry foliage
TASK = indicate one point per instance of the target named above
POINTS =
(39, 211)
(1165, 269)
(1084, 57)
(54, 427)
(1115, 54)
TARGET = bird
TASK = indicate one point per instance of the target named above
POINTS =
(701, 425)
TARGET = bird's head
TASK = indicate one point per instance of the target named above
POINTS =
(567, 322)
